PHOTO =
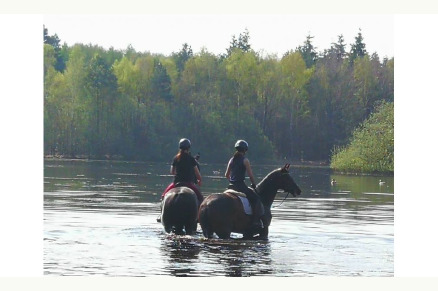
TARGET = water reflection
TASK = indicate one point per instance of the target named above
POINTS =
(195, 256)
(182, 253)
(243, 259)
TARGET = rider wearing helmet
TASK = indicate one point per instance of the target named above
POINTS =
(184, 167)
(238, 165)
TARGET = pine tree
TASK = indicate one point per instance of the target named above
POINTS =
(161, 83)
(308, 51)
(358, 49)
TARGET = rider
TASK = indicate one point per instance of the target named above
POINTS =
(235, 173)
(183, 167)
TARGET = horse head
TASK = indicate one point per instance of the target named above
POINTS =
(274, 181)
(286, 182)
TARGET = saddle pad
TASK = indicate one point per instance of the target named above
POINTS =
(246, 206)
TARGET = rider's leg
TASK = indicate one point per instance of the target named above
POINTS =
(257, 208)
(171, 186)
(197, 192)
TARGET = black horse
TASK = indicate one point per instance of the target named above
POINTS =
(224, 213)
(179, 212)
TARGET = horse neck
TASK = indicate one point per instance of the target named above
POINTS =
(267, 189)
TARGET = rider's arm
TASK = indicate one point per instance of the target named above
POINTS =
(249, 171)
(228, 171)
(198, 175)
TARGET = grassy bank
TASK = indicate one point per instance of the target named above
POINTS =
(371, 148)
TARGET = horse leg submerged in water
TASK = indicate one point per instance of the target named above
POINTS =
(180, 211)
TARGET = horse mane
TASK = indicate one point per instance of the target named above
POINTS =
(269, 176)
(266, 188)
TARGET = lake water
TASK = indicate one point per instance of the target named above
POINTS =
(100, 219)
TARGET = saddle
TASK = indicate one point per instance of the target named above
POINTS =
(180, 184)
(245, 202)
(234, 192)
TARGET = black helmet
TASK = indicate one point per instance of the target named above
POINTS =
(241, 145)
(184, 144)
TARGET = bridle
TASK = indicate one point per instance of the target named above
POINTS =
(281, 201)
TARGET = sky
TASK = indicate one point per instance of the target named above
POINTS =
(269, 33)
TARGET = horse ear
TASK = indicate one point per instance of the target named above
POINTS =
(286, 167)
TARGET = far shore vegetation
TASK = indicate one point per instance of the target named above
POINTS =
(333, 106)
(371, 148)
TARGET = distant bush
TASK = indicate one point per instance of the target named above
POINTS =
(371, 148)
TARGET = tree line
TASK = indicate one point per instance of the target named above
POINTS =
(124, 104)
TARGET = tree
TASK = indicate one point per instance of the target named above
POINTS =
(268, 88)
(308, 52)
(131, 104)
(371, 148)
(358, 49)
(241, 43)
(366, 84)
(182, 57)
(240, 67)
(54, 41)
(339, 48)
(49, 58)
(160, 83)
(101, 84)
(295, 78)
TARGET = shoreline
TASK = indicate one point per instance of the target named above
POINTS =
(296, 164)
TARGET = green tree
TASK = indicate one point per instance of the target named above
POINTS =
(296, 76)
(366, 85)
(371, 148)
(101, 84)
(308, 52)
(338, 49)
(241, 43)
(240, 67)
(267, 87)
(182, 57)
(160, 82)
(49, 58)
(358, 48)
(54, 41)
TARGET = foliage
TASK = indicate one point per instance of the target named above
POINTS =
(137, 105)
(371, 148)
(308, 52)
(60, 52)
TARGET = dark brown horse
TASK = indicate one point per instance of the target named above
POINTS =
(179, 211)
(224, 213)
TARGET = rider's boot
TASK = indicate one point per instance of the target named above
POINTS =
(258, 212)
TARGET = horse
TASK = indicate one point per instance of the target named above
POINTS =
(179, 212)
(224, 213)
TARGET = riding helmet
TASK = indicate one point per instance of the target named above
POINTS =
(184, 144)
(241, 145)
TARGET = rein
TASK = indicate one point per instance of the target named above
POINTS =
(281, 201)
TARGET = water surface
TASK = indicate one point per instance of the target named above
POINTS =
(100, 219)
